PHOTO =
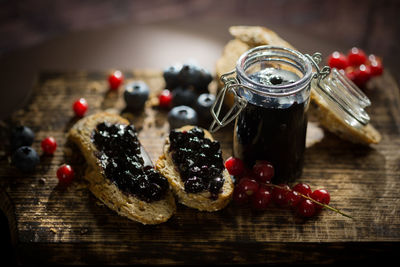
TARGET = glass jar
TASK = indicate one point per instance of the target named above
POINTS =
(273, 124)
(272, 89)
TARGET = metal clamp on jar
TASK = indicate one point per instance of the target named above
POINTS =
(272, 89)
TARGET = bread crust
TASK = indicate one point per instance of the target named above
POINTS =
(104, 189)
(201, 201)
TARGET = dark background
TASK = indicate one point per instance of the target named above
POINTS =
(32, 32)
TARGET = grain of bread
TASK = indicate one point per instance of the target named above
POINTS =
(124, 204)
(201, 201)
(252, 36)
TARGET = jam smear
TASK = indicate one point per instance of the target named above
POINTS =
(126, 164)
(198, 160)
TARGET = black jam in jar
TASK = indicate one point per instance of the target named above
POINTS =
(198, 160)
(275, 133)
(125, 162)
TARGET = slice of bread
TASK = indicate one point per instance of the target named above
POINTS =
(252, 36)
(201, 201)
(104, 189)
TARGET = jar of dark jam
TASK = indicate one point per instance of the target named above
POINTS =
(272, 89)
(273, 124)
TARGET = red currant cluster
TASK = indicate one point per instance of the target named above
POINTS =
(356, 65)
(254, 187)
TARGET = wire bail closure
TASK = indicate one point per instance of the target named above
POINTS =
(232, 84)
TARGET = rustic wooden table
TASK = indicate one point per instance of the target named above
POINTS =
(54, 224)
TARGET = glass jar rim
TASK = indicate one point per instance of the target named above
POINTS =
(275, 90)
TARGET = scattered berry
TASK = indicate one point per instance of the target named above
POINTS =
(80, 107)
(136, 94)
(187, 75)
(261, 198)
(279, 194)
(263, 171)
(165, 99)
(234, 166)
(203, 107)
(171, 76)
(248, 185)
(362, 75)
(337, 60)
(350, 73)
(240, 197)
(21, 136)
(302, 188)
(65, 174)
(356, 57)
(49, 145)
(293, 198)
(375, 65)
(115, 79)
(306, 208)
(182, 115)
(322, 196)
(25, 159)
(182, 96)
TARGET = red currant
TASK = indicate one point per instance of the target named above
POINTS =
(65, 174)
(306, 208)
(279, 194)
(115, 79)
(80, 107)
(322, 196)
(165, 99)
(49, 145)
(337, 60)
(261, 198)
(350, 73)
(248, 185)
(362, 75)
(293, 199)
(356, 57)
(375, 64)
(303, 188)
(234, 166)
(240, 197)
(263, 171)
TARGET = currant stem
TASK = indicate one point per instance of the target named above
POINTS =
(309, 198)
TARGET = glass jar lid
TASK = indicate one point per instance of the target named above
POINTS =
(343, 98)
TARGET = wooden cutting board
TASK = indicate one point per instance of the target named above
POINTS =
(54, 224)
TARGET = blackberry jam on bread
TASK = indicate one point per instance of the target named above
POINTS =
(119, 171)
(192, 162)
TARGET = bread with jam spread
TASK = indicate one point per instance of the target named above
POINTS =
(247, 37)
(131, 186)
(206, 195)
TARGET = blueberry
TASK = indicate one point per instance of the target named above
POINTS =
(171, 76)
(203, 108)
(215, 185)
(194, 185)
(204, 79)
(196, 77)
(25, 159)
(183, 96)
(135, 95)
(182, 115)
(21, 136)
(189, 75)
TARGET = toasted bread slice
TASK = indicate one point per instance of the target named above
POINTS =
(252, 36)
(104, 189)
(201, 201)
